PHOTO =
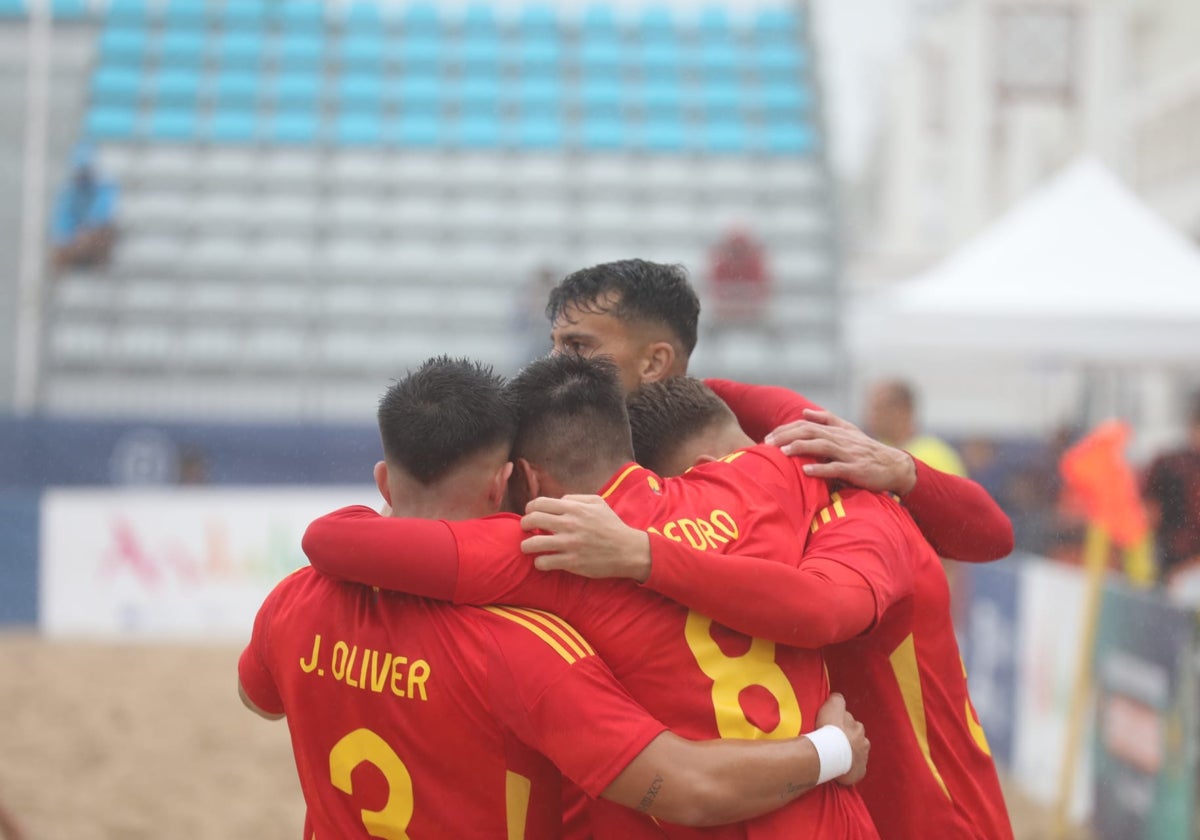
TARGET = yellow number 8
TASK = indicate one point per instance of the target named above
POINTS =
(362, 745)
(732, 674)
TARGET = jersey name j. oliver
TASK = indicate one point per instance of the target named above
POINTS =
(415, 718)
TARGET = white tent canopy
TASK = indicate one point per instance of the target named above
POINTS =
(1080, 272)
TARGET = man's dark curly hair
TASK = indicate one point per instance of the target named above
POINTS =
(646, 292)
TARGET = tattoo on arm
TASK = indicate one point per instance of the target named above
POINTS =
(791, 790)
(651, 793)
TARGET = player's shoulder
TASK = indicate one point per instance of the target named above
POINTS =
(535, 637)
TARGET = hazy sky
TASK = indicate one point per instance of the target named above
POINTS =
(858, 41)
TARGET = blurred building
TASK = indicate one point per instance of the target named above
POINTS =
(993, 96)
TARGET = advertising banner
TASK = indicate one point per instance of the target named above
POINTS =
(1145, 714)
(990, 651)
(179, 564)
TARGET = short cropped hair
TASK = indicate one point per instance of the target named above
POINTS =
(665, 415)
(570, 414)
(444, 412)
(647, 292)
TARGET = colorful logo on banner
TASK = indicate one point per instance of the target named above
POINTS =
(176, 563)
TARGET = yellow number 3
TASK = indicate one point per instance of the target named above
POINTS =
(391, 821)
(732, 674)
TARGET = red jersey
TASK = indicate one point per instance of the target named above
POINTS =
(698, 677)
(867, 567)
(411, 717)
(957, 516)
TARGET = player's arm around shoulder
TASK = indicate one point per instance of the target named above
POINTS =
(706, 783)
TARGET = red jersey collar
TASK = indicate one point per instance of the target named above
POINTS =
(630, 478)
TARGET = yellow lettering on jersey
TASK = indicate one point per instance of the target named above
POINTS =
(368, 669)
(705, 533)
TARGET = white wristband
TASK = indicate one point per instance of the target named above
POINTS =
(833, 749)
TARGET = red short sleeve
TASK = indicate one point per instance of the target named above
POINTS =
(253, 674)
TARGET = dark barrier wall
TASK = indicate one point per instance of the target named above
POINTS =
(46, 452)
(18, 557)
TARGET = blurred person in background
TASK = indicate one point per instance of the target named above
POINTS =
(738, 281)
(1172, 496)
(83, 228)
(892, 418)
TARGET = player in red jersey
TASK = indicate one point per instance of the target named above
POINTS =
(415, 718)
(645, 315)
(698, 677)
(867, 580)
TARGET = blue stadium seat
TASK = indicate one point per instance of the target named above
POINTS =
(12, 9)
(236, 87)
(719, 58)
(789, 138)
(300, 50)
(243, 13)
(241, 48)
(116, 85)
(599, 19)
(420, 92)
(478, 51)
(777, 23)
(68, 10)
(779, 59)
(110, 123)
(182, 47)
(421, 49)
(662, 94)
(661, 56)
(721, 96)
(476, 90)
(122, 45)
(359, 128)
(294, 127)
(604, 134)
(362, 51)
(420, 130)
(539, 53)
(601, 95)
(232, 125)
(421, 17)
(477, 130)
(172, 124)
(664, 135)
(300, 15)
(177, 86)
(539, 93)
(364, 17)
(538, 18)
(128, 11)
(186, 12)
(540, 132)
(295, 88)
(724, 136)
(479, 17)
(601, 54)
(714, 22)
(785, 96)
(656, 22)
(361, 90)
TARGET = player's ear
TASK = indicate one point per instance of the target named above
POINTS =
(381, 481)
(658, 361)
(499, 486)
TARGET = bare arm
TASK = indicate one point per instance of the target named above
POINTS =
(702, 783)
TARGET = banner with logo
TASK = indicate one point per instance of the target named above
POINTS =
(1145, 739)
(180, 564)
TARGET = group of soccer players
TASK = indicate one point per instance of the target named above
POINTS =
(659, 647)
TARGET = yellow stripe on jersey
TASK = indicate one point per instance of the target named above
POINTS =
(827, 514)
(553, 639)
(733, 456)
(517, 790)
(564, 631)
(617, 482)
(837, 505)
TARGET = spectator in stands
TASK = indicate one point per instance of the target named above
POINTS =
(83, 229)
(892, 418)
(738, 281)
(1172, 496)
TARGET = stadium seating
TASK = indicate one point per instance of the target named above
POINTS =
(334, 190)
